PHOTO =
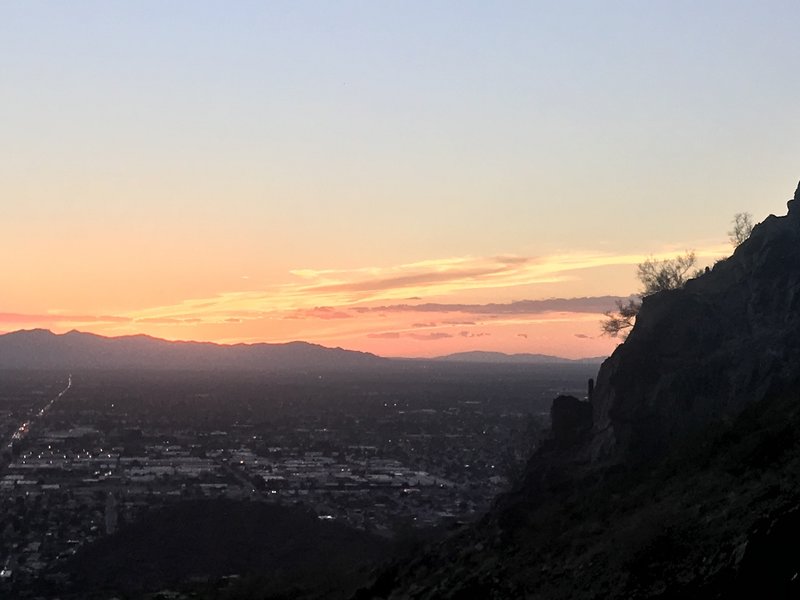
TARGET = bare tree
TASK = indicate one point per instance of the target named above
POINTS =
(667, 274)
(655, 276)
(620, 320)
(742, 228)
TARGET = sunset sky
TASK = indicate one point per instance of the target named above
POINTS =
(407, 178)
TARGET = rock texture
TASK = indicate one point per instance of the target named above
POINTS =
(571, 421)
(729, 337)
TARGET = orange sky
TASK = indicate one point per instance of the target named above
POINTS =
(549, 305)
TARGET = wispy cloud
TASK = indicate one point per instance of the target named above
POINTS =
(427, 337)
(320, 312)
(430, 277)
(323, 293)
(355, 300)
(469, 334)
(386, 335)
(169, 320)
(597, 304)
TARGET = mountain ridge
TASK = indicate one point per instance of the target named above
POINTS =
(39, 348)
(43, 349)
(482, 356)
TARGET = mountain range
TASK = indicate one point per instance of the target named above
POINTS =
(478, 356)
(42, 349)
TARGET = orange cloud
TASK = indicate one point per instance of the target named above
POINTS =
(426, 337)
(371, 308)
(326, 294)
(169, 320)
(320, 312)
(519, 307)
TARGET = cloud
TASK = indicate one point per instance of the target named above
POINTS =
(469, 334)
(405, 281)
(421, 325)
(427, 337)
(583, 336)
(596, 304)
(169, 320)
(339, 293)
(514, 260)
(332, 294)
(457, 322)
(321, 312)
(424, 337)
(446, 276)
(413, 280)
(523, 335)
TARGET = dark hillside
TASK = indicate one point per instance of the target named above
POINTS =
(288, 546)
(683, 482)
(728, 338)
(718, 518)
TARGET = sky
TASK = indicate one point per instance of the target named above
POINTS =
(405, 178)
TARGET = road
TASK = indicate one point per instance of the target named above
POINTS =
(23, 430)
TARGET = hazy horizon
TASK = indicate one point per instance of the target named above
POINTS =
(190, 341)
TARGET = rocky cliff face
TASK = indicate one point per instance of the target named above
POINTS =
(681, 480)
(729, 337)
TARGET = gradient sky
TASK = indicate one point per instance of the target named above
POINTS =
(408, 178)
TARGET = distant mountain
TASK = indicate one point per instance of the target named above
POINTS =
(478, 356)
(43, 349)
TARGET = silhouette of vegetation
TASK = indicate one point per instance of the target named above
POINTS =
(742, 228)
(655, 276)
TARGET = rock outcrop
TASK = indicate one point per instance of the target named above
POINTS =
(728, 338)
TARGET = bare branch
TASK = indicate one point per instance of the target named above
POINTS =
(656, 276)
(619, 321)
(742, 228)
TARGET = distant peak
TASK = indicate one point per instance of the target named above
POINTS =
(794, 204)
(37, 331)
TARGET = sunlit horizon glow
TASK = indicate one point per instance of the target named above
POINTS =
(418, 309)
(409, 179)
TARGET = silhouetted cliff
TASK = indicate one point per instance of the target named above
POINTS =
(685, 480)
(728, 338)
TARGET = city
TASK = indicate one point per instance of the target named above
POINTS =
(91, 453)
